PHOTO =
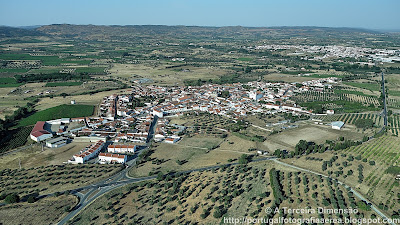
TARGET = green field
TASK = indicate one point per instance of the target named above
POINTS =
(12, 70)
(9, 82)
(90, 70)
(62, 111)
(325, 76)
(59, 84)
(17, 138)
(46, 60)
(368, 86)
(340, 91)
(244, 59)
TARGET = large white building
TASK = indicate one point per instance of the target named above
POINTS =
(121, 148)
(112, 158)
(255, 95)
(87, 153)
(39, 133)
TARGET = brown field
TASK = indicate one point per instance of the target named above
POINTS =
(165, 76)
(45, 211)
(316, 133)
(8, 102)
(377, 185)
(239, 191)
(195, 151)
(50, 179)
(93, 99)
(34, 156)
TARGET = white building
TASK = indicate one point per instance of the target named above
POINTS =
(87, 153)
(337, 125)
(172, 140)
(112, 158)
(39, 133)
(158, 113)
(56, 142)
(255, 95)
(122, 148)
(330, 112)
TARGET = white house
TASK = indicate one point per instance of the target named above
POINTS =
(172, 140)
(112, 158)
(330, 112)
(87, 153)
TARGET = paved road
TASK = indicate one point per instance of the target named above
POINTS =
(373, 207)
(97, 190)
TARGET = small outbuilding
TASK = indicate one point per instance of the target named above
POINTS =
(337, 125)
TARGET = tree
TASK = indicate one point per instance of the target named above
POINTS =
(218, 213)
(364, 123)
(12, 198)
(224, 94)
(244, 159)
(31, 199)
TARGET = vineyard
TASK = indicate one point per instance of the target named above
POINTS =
(393, 103)
(350, 118)
(18, 138)
(385, 151)
(315, 96)
(394, 124)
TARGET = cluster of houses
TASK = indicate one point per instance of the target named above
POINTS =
(127, 121)
(334, 51)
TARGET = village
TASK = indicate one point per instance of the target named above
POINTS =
(126, 123)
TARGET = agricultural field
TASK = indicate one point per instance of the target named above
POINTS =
(62, 111)
(394, 124)
(58, 84)
(310, 132)
(203, 123)
(165, 74)
(368, 86)
(50, 179)
(84, 99)
(206, 197)
(190, 153)
(6, 82)
(350, 118)
(34, 156)
(338, 101)
(370, 168)
(19, 137)
(48, 210)
(44, 60)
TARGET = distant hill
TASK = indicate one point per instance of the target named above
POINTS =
(93, 32)
(18, 32)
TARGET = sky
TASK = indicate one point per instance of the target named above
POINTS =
(371, 14)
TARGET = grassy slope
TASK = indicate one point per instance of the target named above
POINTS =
(62, 111)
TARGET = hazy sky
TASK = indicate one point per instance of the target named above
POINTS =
(375, 14)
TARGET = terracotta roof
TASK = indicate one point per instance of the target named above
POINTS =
(38, 130)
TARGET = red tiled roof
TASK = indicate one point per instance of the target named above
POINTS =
(38, 130)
